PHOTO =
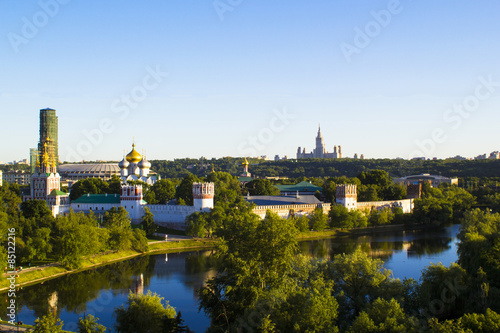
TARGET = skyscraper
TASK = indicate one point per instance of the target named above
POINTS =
(49, 134)
(33, 159)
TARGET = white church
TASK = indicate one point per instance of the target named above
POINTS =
(46, 185)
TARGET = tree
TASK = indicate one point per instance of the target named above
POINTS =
(368, 193)
(115, 185)
(383, 316)
(227, 189)
(37, 209)
(340, 217)
(48, 324)
(89, 186)
(163, 191)
(197, 224)
(143, 313)
(139, 241)
(77, 235)
(256, 258)
(89, 324)
(358, 280)
(261, 187)
(381, 217)
(116, 217)
(148, 223)
(445, 292)
(318, 220)
(375, 177)
(185, 189)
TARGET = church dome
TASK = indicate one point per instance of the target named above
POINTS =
(144, 163)
(123, 164)
(134, 156)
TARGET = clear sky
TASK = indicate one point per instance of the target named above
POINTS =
(211, 78)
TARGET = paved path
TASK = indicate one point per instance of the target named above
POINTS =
(171, 238)
(8, 328)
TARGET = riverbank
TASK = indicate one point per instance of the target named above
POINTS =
(54, 270)
(41, 273)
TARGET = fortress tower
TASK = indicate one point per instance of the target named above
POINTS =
(131, 200)
(203, 196)
(346, 195)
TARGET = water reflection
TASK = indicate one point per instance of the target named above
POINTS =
(415, 244)
(176, 276)
(102, 288)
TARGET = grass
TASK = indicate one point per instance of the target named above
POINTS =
(317, 234)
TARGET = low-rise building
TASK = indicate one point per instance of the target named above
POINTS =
(347, 196)
(425, 177)
(19, 177)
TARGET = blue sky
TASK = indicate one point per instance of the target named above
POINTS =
(210, 78)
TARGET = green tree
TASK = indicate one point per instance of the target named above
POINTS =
(89, 186)
(340, 217)
(37, 209)
(227, 189)
(143, 313)
(383, 316)
(381, 217)
(148, 223)
(197, 224)
(48, 324)
(445, 292)
(163, 190)
(115, 185)
(77, 235)
(185, 189)
(139, 241)
(368, 193)
(256, 257)
(375, 177)
(318, 220)
(116, 217)
(359, 280)
(261, 187)
(89, 324)
(39, 246)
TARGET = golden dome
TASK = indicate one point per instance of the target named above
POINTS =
(134, 156)
(245, 162)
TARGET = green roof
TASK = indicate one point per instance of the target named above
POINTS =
(245, 179)
(98, 199)
(57, 193)
(301, 187)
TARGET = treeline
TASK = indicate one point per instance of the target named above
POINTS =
(65, 238)
(179, 168)
(262, 285)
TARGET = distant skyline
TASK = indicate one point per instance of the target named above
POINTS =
(188, 78)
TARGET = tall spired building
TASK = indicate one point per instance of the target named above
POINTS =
(45, 182)
(320, 150)
(49, 135)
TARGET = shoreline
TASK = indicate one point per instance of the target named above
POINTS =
(54, 270)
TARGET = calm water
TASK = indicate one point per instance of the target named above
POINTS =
(176, 276)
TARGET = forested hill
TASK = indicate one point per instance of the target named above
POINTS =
(328, 168)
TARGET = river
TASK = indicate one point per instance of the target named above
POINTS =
(176, 276)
